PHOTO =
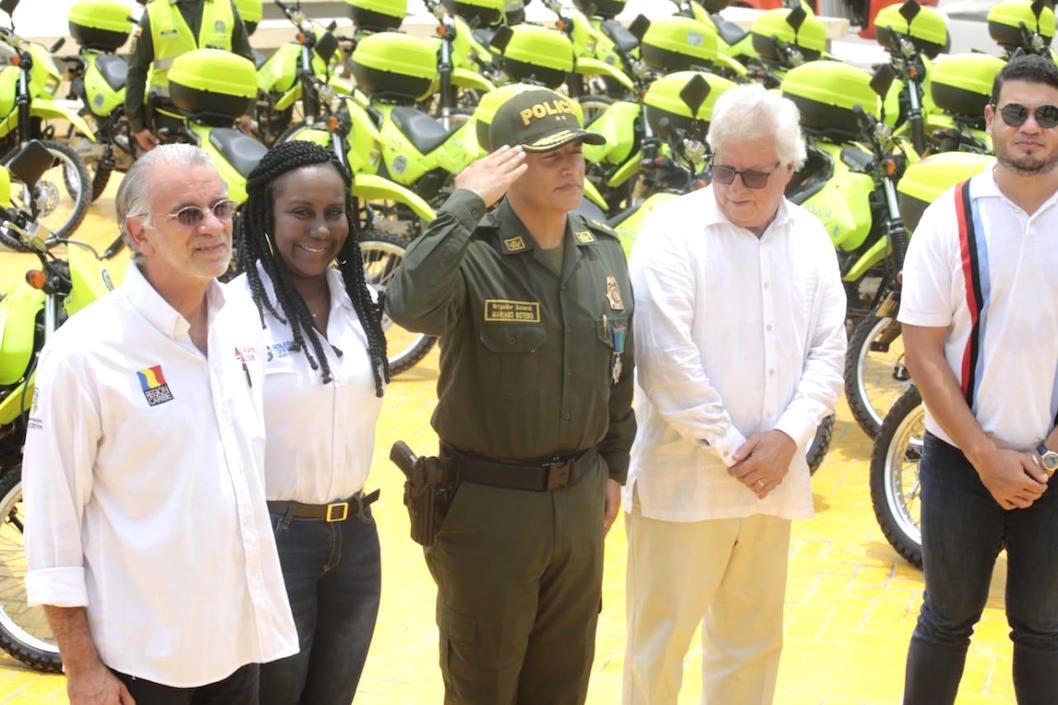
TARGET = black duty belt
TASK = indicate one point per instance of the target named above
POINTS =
(330, 513)
(541, 475)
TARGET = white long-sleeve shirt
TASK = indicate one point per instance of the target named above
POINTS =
(734, 335)
(319, 436)
(144, 489)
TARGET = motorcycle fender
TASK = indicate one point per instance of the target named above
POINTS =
(593, 195)
(832, 208)
(593, 67)
(369, 187)
(465, 78)
(289, 98)
(18, 330)
(308, 134)
(50, 110)
(627, 171)
(90, 279)
(870, 258)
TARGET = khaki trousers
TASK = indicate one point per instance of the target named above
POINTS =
(731, 573)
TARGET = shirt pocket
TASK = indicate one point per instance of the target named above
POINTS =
(512, 363)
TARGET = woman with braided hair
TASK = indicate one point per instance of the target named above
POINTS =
(325, 368)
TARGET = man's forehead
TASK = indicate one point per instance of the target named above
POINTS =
(169, 186)
(1030, 93)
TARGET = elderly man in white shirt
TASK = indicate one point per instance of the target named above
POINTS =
(740, 345)
(148, 539)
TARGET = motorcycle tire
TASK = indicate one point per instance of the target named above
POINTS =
(874, 379)
(53, 212)
(37, 650)
(817, 449)
(899, 443)
(100, 179)
(382, 254)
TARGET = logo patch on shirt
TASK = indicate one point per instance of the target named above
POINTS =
(152, 382)
(585, 236)
(613, 293)
(245, 355)
(501, 311)
(34, 420)
(514, 244)
(278, 350)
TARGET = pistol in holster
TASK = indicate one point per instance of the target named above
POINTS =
(426, 491)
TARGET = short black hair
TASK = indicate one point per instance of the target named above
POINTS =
(1031, 68)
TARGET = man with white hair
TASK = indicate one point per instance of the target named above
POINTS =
(148, 539)
(740, 345)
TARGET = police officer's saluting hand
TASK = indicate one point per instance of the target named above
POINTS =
(533, 308)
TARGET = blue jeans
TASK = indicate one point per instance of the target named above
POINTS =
(963, 530)
(333, 577)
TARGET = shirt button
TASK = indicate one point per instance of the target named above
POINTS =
(566, 416)
(771, 372)
(770, 327)
(765, 285)
(569, 330)
(569, 373)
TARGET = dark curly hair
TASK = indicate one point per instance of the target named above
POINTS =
(255, 243)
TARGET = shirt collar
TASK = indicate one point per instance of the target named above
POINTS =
(712, 215)
(158, 312)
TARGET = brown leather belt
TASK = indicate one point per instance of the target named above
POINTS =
(543, 475)
(330, 513)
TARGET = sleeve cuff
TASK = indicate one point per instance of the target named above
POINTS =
(794, 426)
(60, 587)
(727, 444)
(466, 207)
(929, 320)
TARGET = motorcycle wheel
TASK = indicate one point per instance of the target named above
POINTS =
(100, 179)
(817, 449)
(382, 255)
(24, 631)
(875, 374)
(59, 200)
(895, 486)
(594, 106)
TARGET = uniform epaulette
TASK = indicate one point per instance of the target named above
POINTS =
(601, 227)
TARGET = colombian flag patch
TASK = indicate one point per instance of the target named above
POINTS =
(155, 389)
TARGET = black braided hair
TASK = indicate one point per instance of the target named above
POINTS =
(255, 243)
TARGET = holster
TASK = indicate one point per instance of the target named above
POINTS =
(427, 491)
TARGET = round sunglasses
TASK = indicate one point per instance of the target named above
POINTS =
(751, 178)
(1015, 115)
(193, 216)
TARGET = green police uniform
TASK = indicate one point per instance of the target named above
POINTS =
(179, 27)
(535, 392)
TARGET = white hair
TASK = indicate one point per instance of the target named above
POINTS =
(134, 192)
(751, 113)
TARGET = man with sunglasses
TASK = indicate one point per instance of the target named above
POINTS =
(740, 345)
(979, 311)
(148, 539)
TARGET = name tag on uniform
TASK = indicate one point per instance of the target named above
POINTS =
(502, 311)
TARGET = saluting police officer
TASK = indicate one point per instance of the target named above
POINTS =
(533, 308)
(167, 29)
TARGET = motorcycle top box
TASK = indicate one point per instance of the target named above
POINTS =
(1005, 19)
(100, 24)
(212, 85)
(484, 12)
(927, 179)
(826, 93)
(378, 15)
(961, 84)
(663, 100)
(394, 66)
(535, 54)
(810, 37)
(607, 9)
(678, 44)
(926, 29)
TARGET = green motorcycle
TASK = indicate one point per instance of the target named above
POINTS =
(875, 374)
(71, 275)
(734, 41)
(1023, 27)
(595, 50)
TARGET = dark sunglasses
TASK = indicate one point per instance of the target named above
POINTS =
(750, 178)
(1015, 115)
(193, 216)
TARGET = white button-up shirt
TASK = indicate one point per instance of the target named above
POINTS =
(144, 489)
(320, 437)
(735, 335)
(1009, 361)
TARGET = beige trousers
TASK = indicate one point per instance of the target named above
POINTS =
(731, 573)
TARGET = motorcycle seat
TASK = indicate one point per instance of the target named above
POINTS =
(242, 151)
(625, 40)
(113, 69)
(730, 32)
(426, 133)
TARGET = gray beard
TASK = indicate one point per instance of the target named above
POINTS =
(1028, 166)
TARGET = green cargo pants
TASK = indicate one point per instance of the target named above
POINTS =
(519, 589)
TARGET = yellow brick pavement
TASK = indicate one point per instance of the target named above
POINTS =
(850, 606)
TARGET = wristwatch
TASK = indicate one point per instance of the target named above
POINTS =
(1048, 459)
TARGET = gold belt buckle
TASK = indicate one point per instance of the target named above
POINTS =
(337, 511)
